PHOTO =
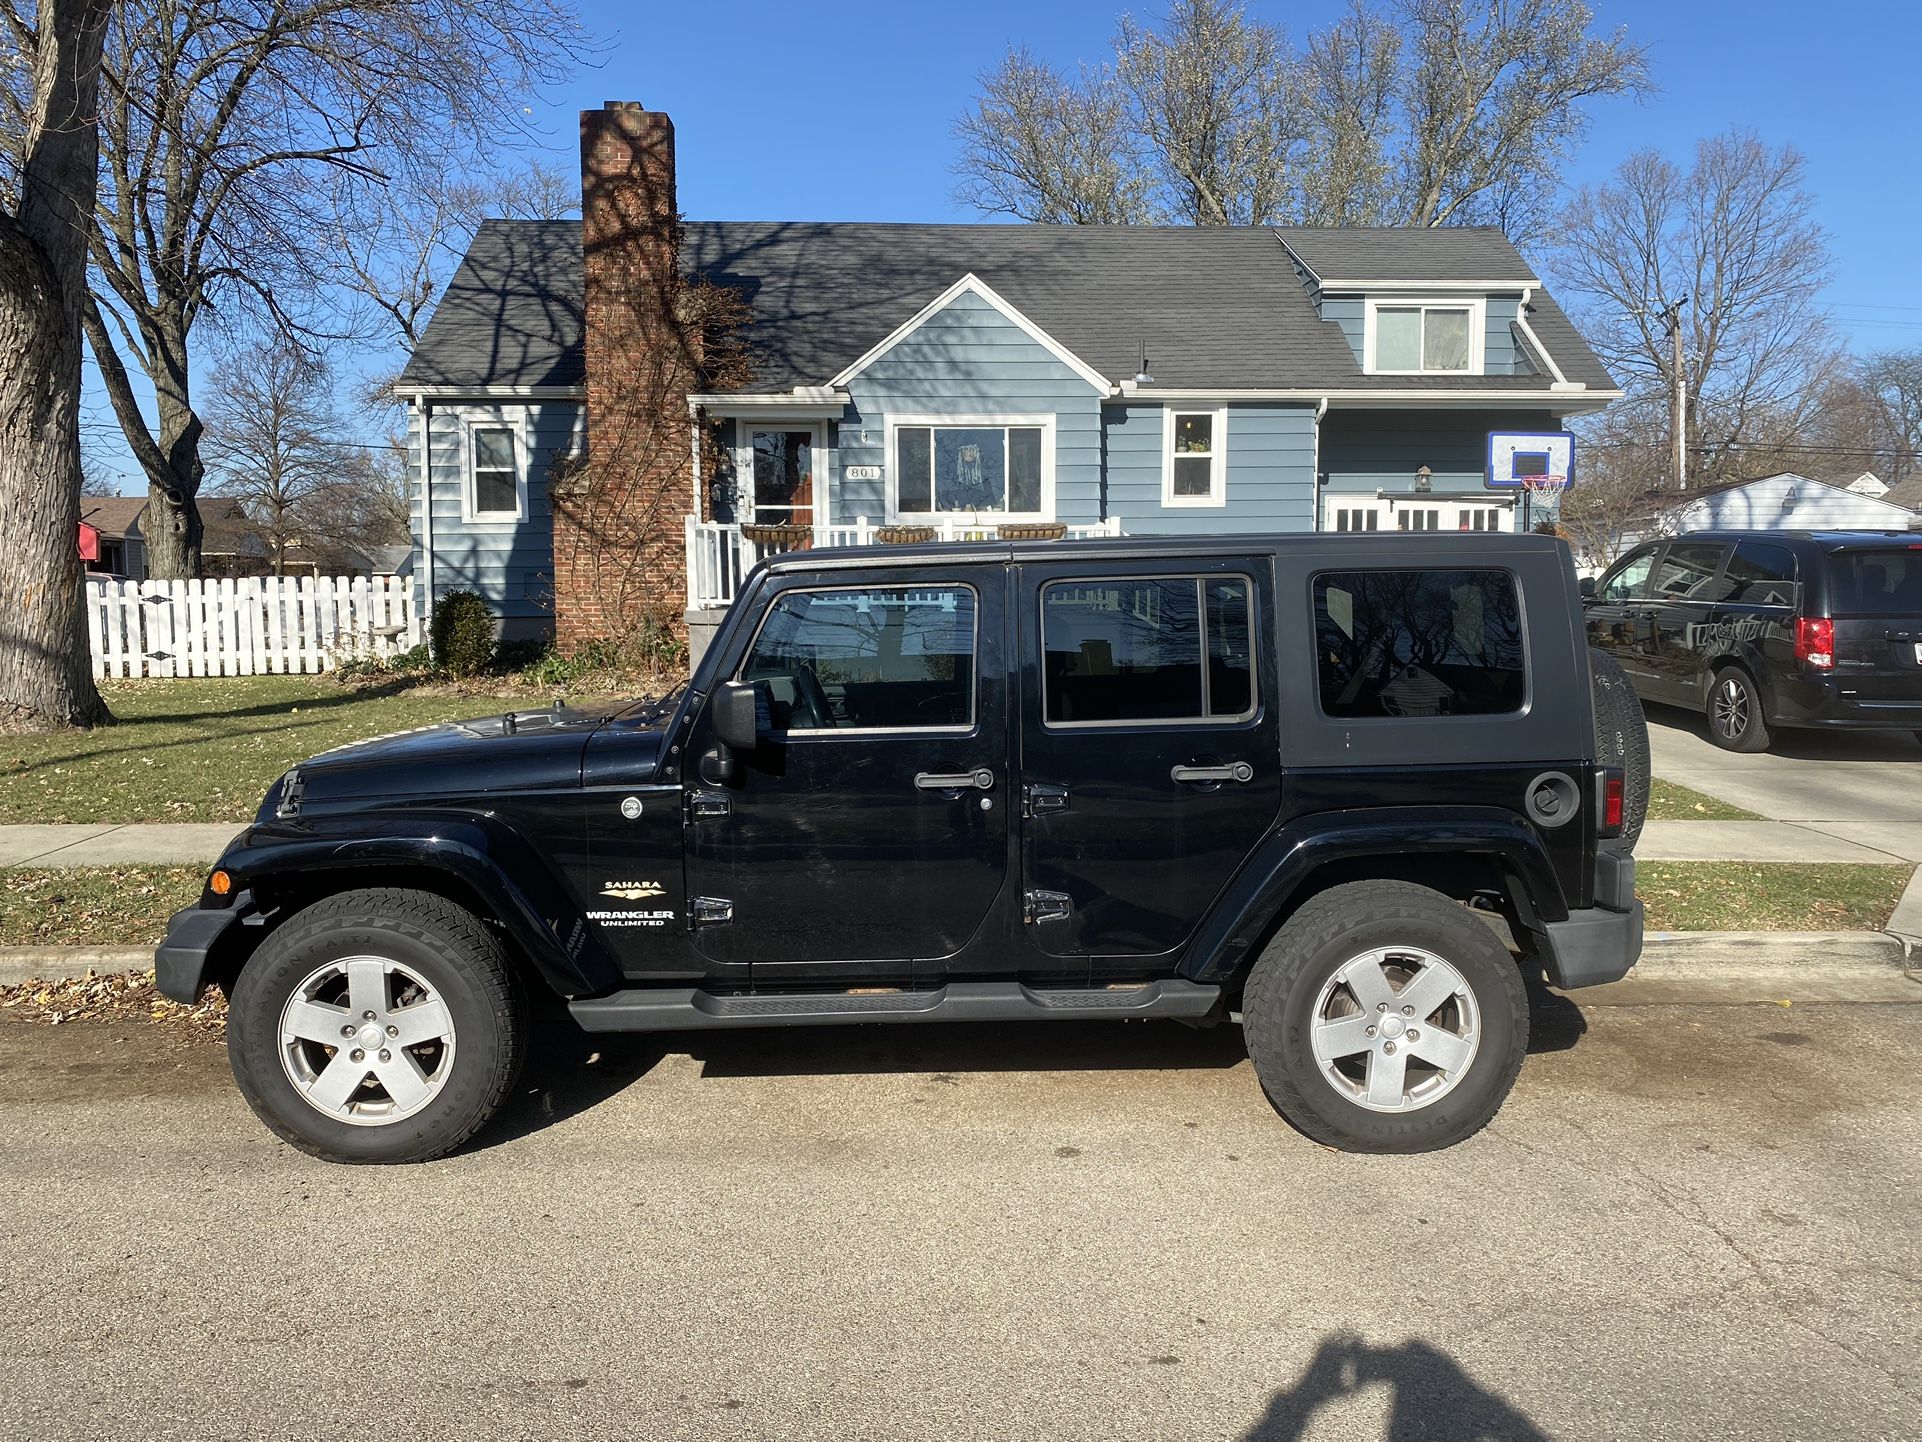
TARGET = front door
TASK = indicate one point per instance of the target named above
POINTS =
(872, 828)
(1149, 751)
(1620, 619)
(783, 462)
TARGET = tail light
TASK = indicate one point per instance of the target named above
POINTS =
(1815, 642)
(1611, 790)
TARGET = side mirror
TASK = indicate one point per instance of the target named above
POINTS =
(740, 715)
(1588, 587)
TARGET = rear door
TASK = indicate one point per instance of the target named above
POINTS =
(1150, 755)
(1688, 583)
(1755, 619)
(1618, 616)
(1875, 600)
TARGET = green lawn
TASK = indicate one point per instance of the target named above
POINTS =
(206, 750)
(1669, 802)
(93, 905)
(1768, 896)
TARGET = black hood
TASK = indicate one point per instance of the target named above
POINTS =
(512, 751)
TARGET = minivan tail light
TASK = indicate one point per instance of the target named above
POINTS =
(1611, 787)
(1815, 642)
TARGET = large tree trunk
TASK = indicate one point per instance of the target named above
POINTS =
(45, 671)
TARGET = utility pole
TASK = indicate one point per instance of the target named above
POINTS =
(1671, 316)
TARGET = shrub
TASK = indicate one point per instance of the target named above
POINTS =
(462, 634)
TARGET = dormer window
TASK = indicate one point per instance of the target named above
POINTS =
(1424, 337)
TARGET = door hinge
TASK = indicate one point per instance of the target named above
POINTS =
(1047, 905)
(709, 911)
(703, 805)
(1041, 800)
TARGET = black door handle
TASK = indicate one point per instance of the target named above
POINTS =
(980, 777)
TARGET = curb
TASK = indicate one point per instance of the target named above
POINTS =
(69, 963)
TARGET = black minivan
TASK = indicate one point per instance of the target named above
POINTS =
(1766, 629)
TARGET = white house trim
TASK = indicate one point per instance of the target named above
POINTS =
(972, 283)
(1534, 341)
(892, 466)
(1386, 398)
(1420, 287)
(820, 403)
(440, 395)
(1217, 496)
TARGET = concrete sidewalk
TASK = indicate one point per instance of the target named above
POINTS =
(110, 844)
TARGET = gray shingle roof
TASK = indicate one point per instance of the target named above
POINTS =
(1403, 253)
(1216, 308)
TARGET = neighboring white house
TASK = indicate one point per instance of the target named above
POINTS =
(1788, 502)
(1868, 484)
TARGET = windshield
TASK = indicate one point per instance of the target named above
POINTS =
(1882, 582)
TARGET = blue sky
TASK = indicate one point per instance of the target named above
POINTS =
(805, 112)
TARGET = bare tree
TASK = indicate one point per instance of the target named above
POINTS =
(271, 439)
(1736, 235)
(45, 671)
(1044, 148)
(1894, 378)
(1410, 112)
(224, 125)
(1618, 496)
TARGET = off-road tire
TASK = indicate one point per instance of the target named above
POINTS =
(1754, 733)
(1621, 740)
(1316, 941)
(434, 937)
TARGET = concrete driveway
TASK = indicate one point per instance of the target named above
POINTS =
(1807, 776)
(1688, 1223)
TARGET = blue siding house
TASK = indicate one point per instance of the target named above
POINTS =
(967, 379)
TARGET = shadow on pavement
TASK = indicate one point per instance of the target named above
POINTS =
(1429, 1394)
(569, 1071)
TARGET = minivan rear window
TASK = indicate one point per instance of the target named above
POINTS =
(1419, 643)
(1880, 582)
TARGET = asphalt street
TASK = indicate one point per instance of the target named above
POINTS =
(1689, 1222)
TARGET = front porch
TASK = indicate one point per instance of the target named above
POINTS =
(720, 555)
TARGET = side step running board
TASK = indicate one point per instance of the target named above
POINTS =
(687, 1009)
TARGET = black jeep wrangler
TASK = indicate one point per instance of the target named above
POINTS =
(1270, 780)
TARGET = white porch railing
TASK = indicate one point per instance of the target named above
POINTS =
(719, 556)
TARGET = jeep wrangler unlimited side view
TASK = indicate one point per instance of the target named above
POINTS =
(1294, 781)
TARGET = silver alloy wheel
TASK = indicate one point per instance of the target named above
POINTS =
(1731, 708)
(366, 1040)
(1395, 1029)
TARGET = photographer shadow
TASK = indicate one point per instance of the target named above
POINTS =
(1430, 1396)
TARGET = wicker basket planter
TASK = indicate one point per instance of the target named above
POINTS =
(781, 535)
(905, 535)
(1033, 531)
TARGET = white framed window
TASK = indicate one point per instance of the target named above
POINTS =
(495, 487)
(1425, 337)
(990, 468)
(1194, 458)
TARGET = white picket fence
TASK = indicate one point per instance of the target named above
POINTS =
(253, 626)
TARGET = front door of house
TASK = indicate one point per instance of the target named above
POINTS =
(783, 462)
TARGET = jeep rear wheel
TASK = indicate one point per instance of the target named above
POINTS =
(1385, 1017)
(376, 1026)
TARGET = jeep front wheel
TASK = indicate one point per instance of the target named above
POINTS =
(376, 1026)
(1385, 1017)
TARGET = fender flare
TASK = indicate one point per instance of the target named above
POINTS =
(1282, 867)
(536, 911)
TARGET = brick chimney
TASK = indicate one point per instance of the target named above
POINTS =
(620, 562)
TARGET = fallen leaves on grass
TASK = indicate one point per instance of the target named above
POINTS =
(1768, 896)
(110, 998)
(93, 905)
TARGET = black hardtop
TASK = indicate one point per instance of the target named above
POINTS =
(1378, 547)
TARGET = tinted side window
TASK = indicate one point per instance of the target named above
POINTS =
(1629, 580)
(1419, 643)
(1876, 583)
(1688, 573)
(1166, 649)
(865, 659)
(1760, 574)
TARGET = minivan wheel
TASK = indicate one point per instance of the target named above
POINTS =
(1386, 1017)
(377, 1026)
(1735, 720)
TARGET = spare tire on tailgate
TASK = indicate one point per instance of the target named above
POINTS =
(1621, 739)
